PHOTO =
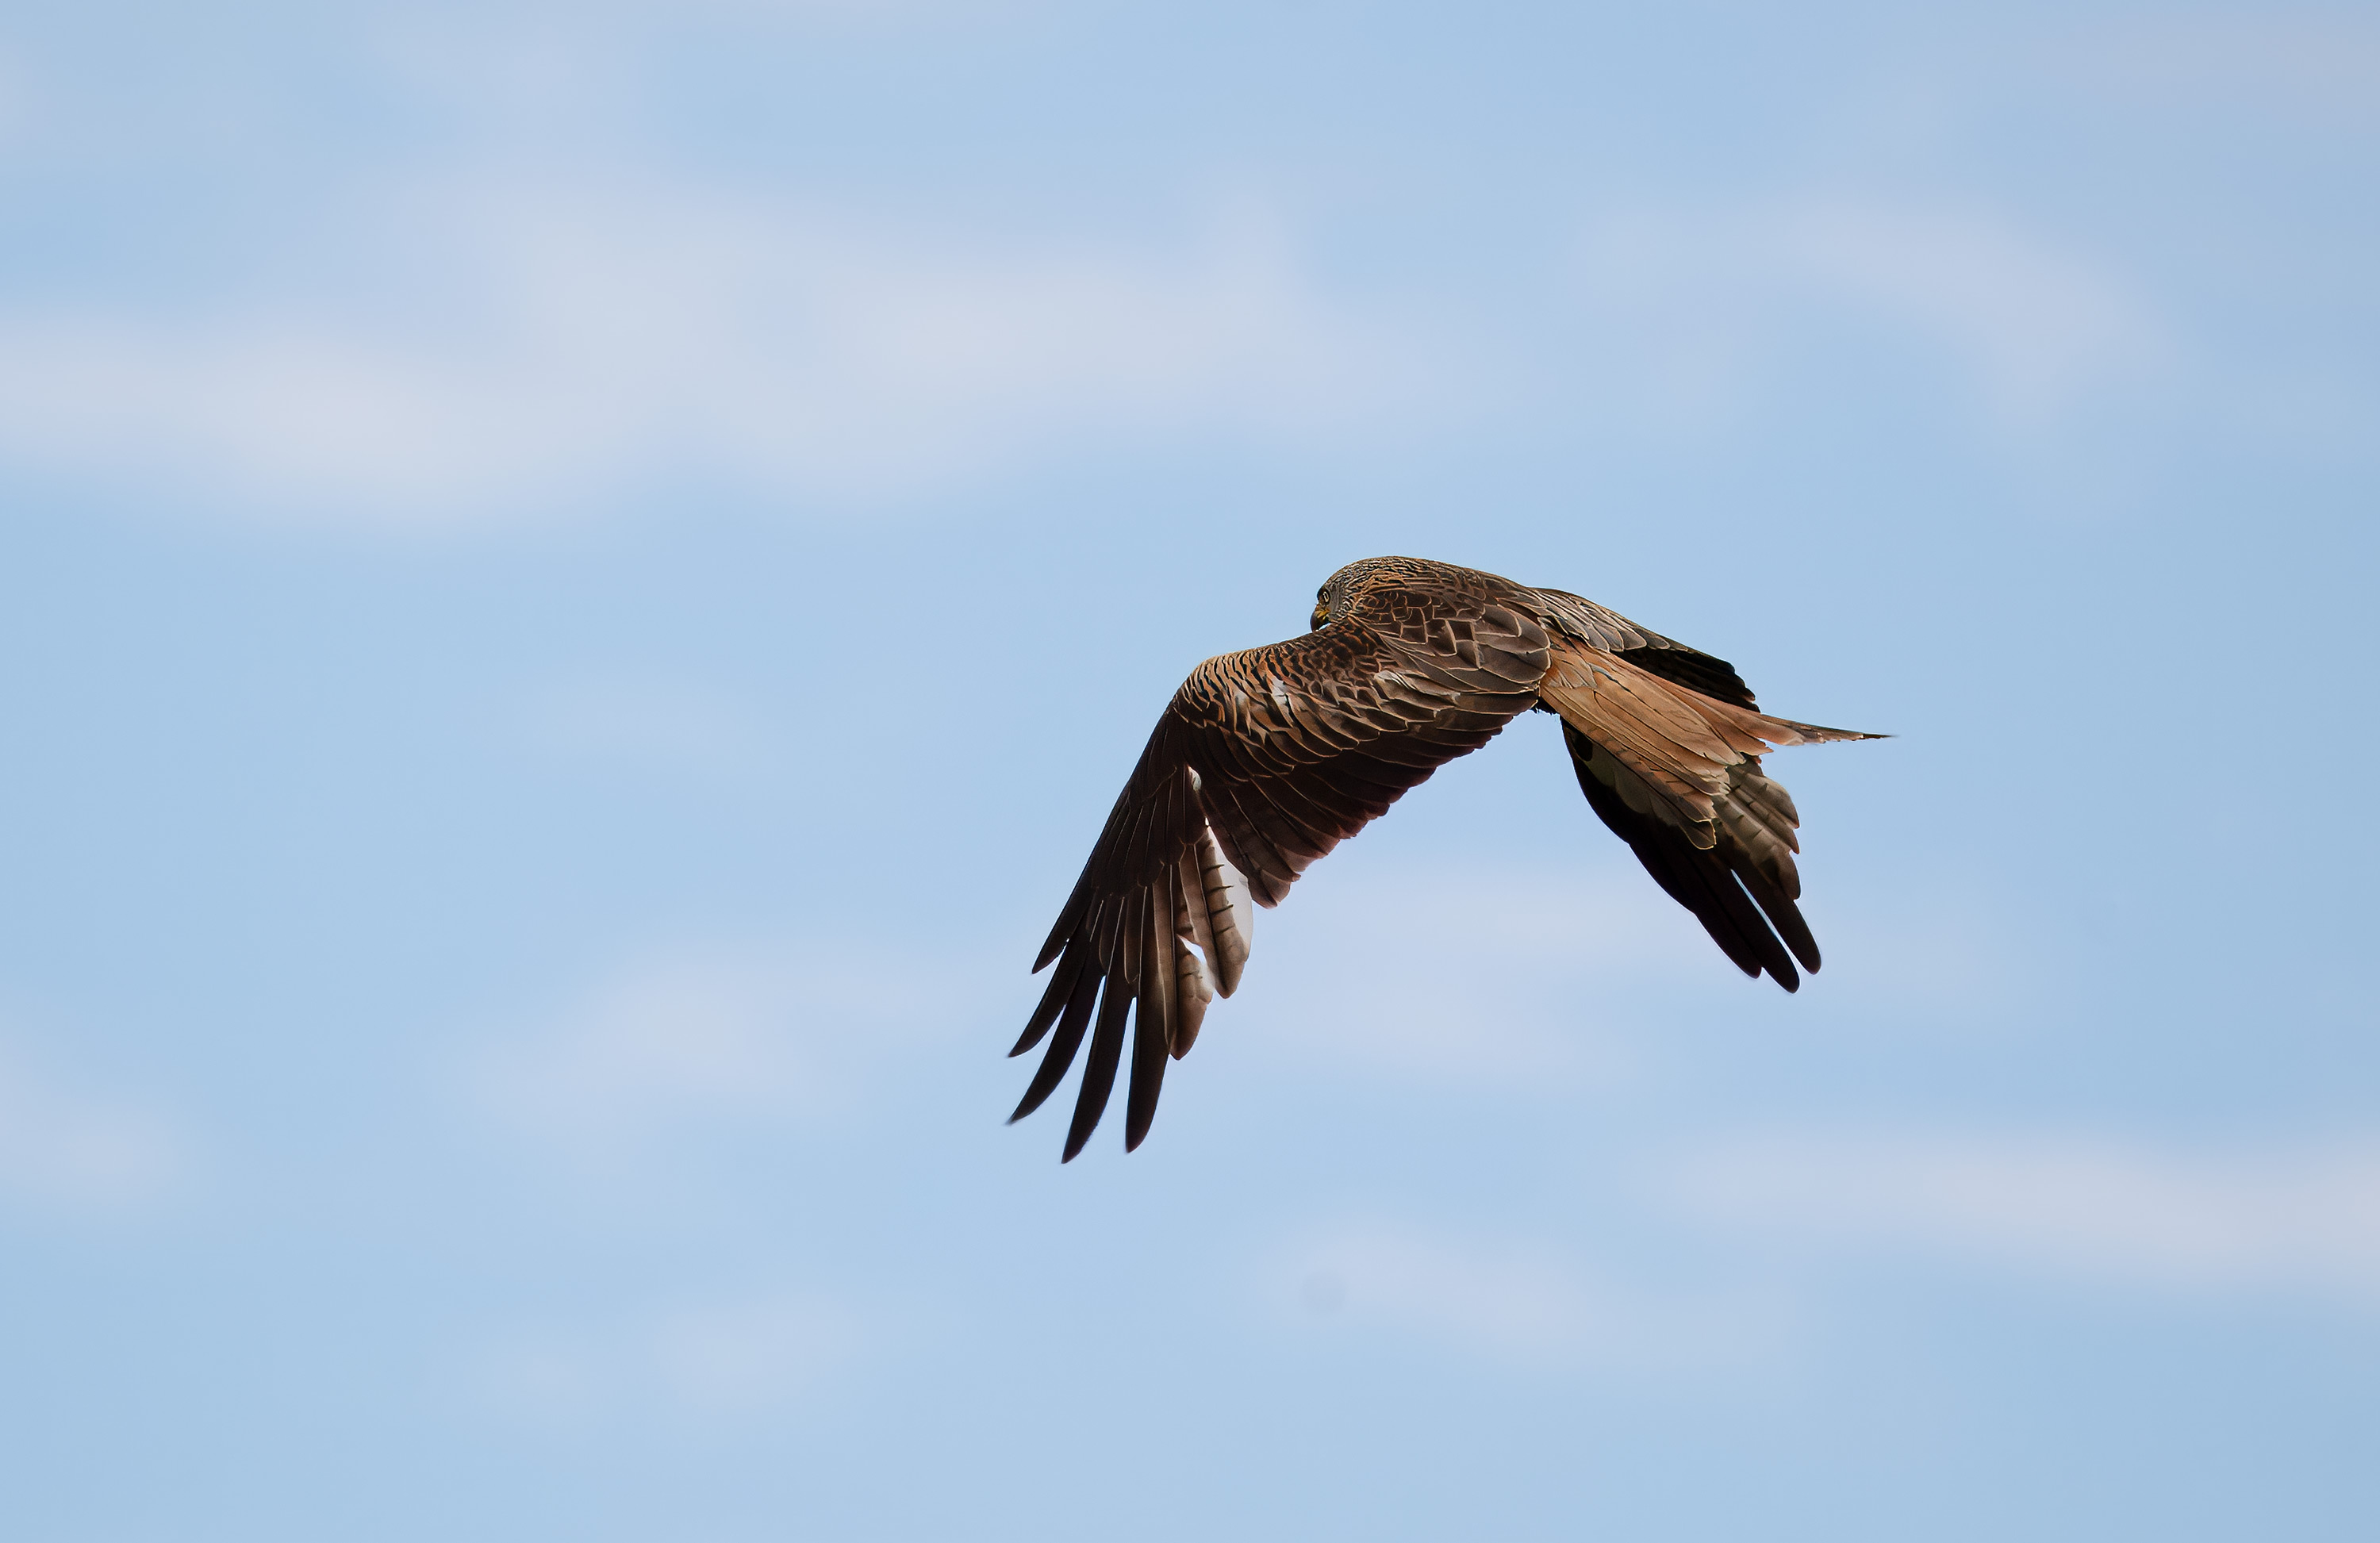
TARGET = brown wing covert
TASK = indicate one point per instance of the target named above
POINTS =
(1263, 763)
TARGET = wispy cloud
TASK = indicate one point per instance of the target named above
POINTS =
(2037, 320)
(1516, 988)
(501, 351)
(2306, 1219)
(1705, 300)
(709, 1361)
(1510, 1301)
(67, 1149)
(1557, 977)
(705, 1039)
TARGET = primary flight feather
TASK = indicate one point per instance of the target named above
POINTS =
(1267, 758)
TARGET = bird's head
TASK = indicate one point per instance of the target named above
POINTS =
(1340, 591)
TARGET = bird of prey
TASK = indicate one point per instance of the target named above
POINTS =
(1267, 759)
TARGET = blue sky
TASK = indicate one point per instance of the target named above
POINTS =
(576, 582)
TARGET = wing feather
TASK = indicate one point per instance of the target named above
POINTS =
(1264, 761)
(1153, 1021)
(1099, 1070)
(1677, 775)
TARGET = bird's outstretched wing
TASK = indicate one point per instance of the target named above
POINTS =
(1263, 761)
(1667, 744)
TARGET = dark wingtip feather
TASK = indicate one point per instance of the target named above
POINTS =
(1148, 1059)
(1036, 1095)
(1099, 1070)
(1782, 914)
(1703, 880)
(1061, 1054)
(1060, 990)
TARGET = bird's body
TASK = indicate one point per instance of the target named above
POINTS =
(1267, 759)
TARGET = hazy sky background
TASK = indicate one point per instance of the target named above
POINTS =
(577, 581)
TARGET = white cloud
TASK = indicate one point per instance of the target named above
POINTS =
(1516, 989)
(709, 1361)
(707, 1038)
(1929, 958)
(63, 1149)
(1539, 980)
(748, 1355)
(2035, 324)
(2038, 321)
(2305, 1218)
(1509, 1301)
(496, 350)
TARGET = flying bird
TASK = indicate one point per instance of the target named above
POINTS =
(1267, 758)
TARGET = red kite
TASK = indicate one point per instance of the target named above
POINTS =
(1267, 758)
